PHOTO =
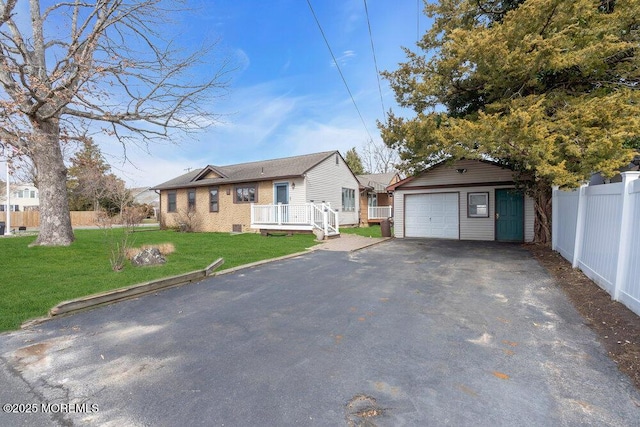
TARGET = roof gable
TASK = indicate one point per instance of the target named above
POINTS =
(209, 172)
(457, 173)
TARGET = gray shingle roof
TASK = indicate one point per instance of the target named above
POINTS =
(377, 181)
(264, 170)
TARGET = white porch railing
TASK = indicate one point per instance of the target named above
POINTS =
(306, 216)
(379, 212)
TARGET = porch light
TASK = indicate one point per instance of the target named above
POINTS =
(293, 185)
(461, 170)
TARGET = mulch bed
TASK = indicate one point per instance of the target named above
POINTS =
(617, 327)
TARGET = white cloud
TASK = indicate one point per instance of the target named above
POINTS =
(345, 58)
(258, 122)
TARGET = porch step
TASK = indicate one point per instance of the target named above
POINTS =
(332, 236)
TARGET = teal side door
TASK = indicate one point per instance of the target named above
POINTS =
(509, 215)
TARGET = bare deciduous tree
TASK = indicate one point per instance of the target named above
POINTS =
(379, 158)
(113, 70)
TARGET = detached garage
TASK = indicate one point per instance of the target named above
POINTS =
(469, 200)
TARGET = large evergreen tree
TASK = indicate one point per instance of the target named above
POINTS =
(353, 160)
(550, 88)
(91, 184)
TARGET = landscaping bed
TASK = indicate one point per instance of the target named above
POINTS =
(617, 327)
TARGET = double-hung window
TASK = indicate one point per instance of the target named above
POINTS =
(171, 201)
(191, 199)
(213, 199)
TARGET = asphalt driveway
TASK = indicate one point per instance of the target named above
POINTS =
(414, 332)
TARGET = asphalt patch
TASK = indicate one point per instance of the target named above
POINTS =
(361, 410)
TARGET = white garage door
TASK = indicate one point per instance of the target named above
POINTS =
(431, 215)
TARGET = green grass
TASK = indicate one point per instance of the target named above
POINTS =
(372, 231)
(32, 280)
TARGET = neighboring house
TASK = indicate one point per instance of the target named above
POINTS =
(22, 197)
(376, 202)
(598, 179)
(146, 196)
(469, 200)
(301, 193)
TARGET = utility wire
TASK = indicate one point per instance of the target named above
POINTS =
(375, 61)
(418, 20)
(339, 70)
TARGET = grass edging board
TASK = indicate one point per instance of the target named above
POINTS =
(83, 303)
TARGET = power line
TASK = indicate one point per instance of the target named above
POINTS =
(418, 20)
(338, 67)
(375, 61)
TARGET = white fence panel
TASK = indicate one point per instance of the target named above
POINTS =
(565, 227)
(600, 234)
(598, 257)
(630, 292)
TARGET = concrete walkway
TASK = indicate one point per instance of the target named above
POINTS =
(349, 242)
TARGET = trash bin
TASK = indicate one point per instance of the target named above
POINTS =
(2, 225)
(385, 228)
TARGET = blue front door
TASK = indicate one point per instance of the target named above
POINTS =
(509, 215)
(282, 193)
(282, 199)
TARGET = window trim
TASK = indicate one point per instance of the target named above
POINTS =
(250, 185)
(350, 196)
(476, 215)
(217, 201)
(175, 201)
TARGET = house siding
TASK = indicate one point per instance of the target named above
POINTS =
(476, 172)
(324, 183)
(448, 180)
(364, 208)
(229, 213)
(529, 218)
(477, 228)
(297, 195)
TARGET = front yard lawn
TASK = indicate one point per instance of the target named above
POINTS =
(371, 231)
(32, 280)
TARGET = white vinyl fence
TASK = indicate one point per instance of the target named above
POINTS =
(597, 229)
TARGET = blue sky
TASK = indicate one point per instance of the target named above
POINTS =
(286, 97)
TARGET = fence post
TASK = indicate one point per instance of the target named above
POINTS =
(624, 246)
(580, 220)
(554, 216)
(252, 214)
(325, 219)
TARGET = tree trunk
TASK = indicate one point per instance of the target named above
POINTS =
(55, 219)
(542, 207)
